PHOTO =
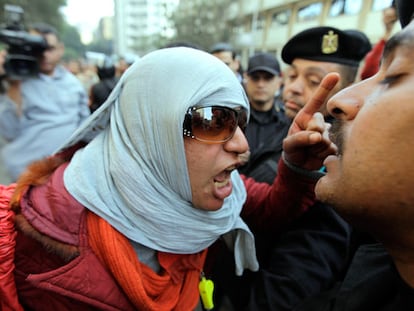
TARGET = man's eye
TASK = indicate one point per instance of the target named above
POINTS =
(314, 83)
(292, 77)
(389, 80)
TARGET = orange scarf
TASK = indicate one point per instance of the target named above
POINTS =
(176, 288)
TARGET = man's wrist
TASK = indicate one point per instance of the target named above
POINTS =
(301, 171)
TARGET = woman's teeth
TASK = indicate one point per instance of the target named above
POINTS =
(220, 184)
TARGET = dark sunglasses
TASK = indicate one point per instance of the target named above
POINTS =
(213, 124)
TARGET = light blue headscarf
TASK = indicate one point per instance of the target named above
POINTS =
(133, 172)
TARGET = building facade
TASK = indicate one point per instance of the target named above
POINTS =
(139, 22)
(265, 25)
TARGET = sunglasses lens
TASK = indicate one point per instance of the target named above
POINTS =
(215, 124)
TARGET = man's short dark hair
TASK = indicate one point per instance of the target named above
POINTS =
(45, 29)
(223, 47)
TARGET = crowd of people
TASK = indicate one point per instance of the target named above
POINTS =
(276, 184)
(38, 112)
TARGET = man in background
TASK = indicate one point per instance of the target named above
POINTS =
(100, 91)
(228, 55)
(38, 112)
(373, 58)
(267, 125)
(312, 54)
(124, 62)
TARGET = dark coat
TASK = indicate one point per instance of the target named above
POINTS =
(372, 282)
(100, 92)
(265, 133)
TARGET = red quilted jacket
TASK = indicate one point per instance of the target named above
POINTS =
(8, 295)
(49, 276)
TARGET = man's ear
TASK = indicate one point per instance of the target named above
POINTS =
(61, 48)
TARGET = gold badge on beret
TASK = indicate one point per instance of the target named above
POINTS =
(329, 43)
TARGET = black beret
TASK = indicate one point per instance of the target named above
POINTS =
(405, 10)
(327, 44)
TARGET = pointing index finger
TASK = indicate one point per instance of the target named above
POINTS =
(319, 97)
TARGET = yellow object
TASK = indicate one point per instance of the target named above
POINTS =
(206, 288)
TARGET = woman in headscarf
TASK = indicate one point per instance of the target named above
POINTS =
(121, 217)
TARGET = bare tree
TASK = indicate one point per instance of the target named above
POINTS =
(203, 23)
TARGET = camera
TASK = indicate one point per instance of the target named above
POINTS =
(24, 48)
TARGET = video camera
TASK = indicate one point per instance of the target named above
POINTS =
(23, 48)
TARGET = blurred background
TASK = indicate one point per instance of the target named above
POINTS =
(124, 30)
(135, 27)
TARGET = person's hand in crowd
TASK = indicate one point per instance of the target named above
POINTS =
(308, 143)
(389, 18)
(3, 54)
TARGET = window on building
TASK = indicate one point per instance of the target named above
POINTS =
(378, 5)
(309, 12)
(345, 7)
(281, 18)
(237, 29)
(261, 20)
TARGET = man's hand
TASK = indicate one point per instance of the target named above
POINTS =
(389, 18)
(308, 143)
